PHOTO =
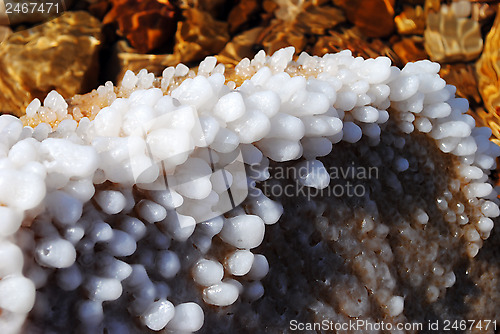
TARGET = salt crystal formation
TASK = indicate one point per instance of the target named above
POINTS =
(115, 215)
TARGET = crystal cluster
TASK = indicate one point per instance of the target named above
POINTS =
(147, 207)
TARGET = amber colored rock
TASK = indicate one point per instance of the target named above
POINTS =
(410, 49)
(483, 12)
(5, 32)
(488, 72)
(375, 18)
(241, 14)
(317, 20)
(488, 69)
(60, 54)
(146, 24)
(241, 46)
(281, 34)
(463, 77)
(126, 58)
(353, 40)
(294, 25)
(199, 35)
(411, 21)
(451, 36)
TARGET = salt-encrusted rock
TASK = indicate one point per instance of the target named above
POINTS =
(59, 53)
(364, 190)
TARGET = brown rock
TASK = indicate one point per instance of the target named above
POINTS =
(199, 35)
(147, 24)
(317, 20)
(463, 77)
(5, 32)
(127, 58)
(411, 21)
(451, 36)
(241, 46)
(373, 17)
(353, 40)
(60, 54)
(281, 34)
(242, 13)
(410, 49)
(488, 69)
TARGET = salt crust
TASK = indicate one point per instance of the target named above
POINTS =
(74, 183)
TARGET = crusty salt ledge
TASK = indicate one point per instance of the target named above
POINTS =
(114, 207)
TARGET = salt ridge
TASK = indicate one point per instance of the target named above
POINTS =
(51, 178)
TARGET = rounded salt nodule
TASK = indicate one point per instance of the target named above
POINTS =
(168, 263)
(401, 164)
(471, 234)
(69, 158)
(117, 269)
(259, 269)
(432, 293)
(280, 149)
(254, 291)
(220, 294)
(17, 294)
(74, 234)
(316, 147)
(168, 198)
(230, 107)
(12, 258)
(286, 126)
(134, 227)
(179, 227)
(485, 225)
(477, 189)
(150, 211)
(121, 244)
(24, 151)
(239, 262)
(100, 232)
(82, 190)
(69, 278)
(470, 172)
(21, 190)
(55, 252)
(103, 289)
(351, 132)
(365, 114)
(244, 231)
(188, 317)
(207, 272)
(484, 161)
(268, 210)
(110, 201)
(490, 209)
(313, 174)
(251, 127)
(90, 312)
(158, 314)
(11, 220)
(395, 306)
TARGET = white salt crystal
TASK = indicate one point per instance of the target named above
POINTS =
(239, 262)
(244, 231)
(17, 294)
(55, 252)
(220, 294)
(188, 317)
(158, 314)
(207, 272)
